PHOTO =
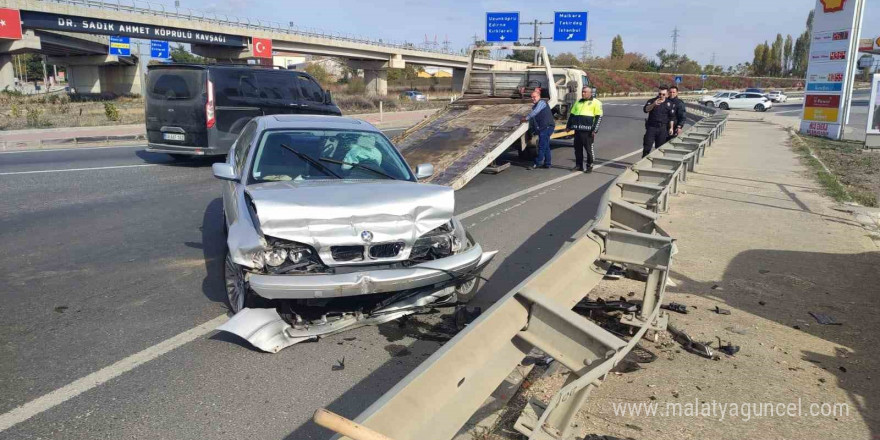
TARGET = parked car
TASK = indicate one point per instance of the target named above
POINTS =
(700, 91)
(201, 109)
(752, 101)
(414, 95)
(712, 100)
(777, 96)
(328, 228)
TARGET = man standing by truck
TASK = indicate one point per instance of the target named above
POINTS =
(584, 120)
(659, 125)
(542, 118)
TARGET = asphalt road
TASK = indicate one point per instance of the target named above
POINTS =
(108, 252)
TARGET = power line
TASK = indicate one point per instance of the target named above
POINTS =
(586, 51)
(675, 35)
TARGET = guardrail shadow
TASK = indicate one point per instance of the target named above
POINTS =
(530, 255)
(791, 284)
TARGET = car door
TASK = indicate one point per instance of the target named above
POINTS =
(278, 93)
(238, 101)
(238, 159)
(312, 97)
(738, 101)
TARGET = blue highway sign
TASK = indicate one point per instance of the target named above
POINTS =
(159, 49)
(502, 26)
(678, 80)
(120, 46)
(570, 26)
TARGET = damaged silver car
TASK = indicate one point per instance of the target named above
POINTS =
(328, 229)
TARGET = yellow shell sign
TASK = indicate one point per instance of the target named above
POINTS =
(832, 5)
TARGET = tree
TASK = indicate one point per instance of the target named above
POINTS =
(617, 47)
(775, 68)
(565, 59)
(786, 55)
(180, 55)
(800, 54)
(479, 44)
(767, 62)
(320, 74)
(521, 55)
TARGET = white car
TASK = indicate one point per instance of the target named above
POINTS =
(712, 100)
(746, 101)
(777, 96)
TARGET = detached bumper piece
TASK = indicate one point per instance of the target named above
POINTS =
(371, 281)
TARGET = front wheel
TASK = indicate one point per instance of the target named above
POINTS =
(237, 291)
(466, 291)
(724, 106)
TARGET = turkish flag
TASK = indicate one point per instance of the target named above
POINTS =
(262, 47)
(10, 24)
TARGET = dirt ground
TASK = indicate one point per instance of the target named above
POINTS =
(856, 168)
(55, 110)
(760, 239)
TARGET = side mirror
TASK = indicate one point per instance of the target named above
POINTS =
(224, 171)
(424, 171)
(327, 98)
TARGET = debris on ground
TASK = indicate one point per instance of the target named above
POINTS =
(464, 315)
(824, 319)
(675, 307)
(728, 349)
(689, 344)
(721, 311)
(340, 365)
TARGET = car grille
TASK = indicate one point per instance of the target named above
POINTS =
(347, 253)
(385, 250)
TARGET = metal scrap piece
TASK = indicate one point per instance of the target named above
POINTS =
(824, 319)
(689, 344)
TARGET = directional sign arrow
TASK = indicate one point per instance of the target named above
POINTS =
(501, 37)
(569, 37)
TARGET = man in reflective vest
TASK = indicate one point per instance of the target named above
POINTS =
(584, 119)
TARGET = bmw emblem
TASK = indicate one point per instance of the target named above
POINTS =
(367, 236)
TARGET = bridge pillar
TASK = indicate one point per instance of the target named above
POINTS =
(7, 74)
(102, 73)
(458, 79)
(377, 81)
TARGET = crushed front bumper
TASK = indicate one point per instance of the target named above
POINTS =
(469, 262)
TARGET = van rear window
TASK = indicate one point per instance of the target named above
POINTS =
(175, 84)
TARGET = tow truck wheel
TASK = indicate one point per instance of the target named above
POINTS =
(237, 292)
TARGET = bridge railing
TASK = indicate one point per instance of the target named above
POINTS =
(161, 10)
(437, 398)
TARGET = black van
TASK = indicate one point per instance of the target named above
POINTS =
(200, 109)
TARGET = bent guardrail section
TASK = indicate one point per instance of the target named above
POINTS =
(436, 399)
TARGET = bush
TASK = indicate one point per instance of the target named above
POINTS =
(319, 73)
(16, 110)
(35, 118)
(111, 111)
(356, 86)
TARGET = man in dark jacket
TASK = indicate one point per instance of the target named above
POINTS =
(680, 112)
(542, 118)
(584, 119)
(660, 122)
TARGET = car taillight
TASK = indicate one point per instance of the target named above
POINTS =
(209, 106)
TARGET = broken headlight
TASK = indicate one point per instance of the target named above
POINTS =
(285, 256)
(441, 242)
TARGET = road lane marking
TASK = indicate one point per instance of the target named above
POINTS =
(531, 189)
(13, 173)
(49, 150)
(79, 386)
(67, 392)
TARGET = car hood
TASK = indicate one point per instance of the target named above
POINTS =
(325, 213)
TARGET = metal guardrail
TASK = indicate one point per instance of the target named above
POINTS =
(436, 399)
(195, 15)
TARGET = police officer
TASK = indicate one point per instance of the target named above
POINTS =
(660, 122)
(584, 119)
(680, 111)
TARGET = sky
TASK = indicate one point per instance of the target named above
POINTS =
(728, 29)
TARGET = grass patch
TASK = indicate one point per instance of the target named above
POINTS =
(853, 173)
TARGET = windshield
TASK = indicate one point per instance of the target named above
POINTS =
(326, 154)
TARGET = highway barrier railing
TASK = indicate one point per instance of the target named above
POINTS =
(436, 399)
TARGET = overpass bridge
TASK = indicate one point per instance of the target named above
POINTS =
(225, 38)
